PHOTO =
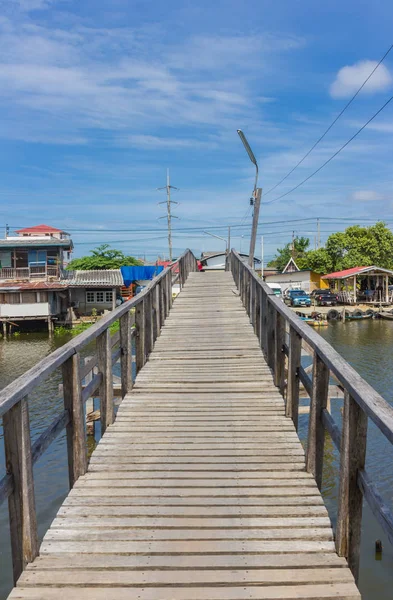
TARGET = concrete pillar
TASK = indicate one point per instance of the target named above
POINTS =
(113, 298)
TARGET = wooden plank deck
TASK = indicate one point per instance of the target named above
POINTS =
(198, 491)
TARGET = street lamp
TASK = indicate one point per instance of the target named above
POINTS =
(251, 155)
(219, 238)
(256, 199)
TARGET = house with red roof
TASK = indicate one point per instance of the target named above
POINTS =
(31, 265)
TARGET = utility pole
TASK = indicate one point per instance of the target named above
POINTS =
(257, 204)
(169, 216)
(293, 245)
(318, 234)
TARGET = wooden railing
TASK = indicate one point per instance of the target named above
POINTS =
(32, 272)
(282, 334)
(151, 306)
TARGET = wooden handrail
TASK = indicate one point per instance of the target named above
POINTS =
(152, 307)
(361, 401)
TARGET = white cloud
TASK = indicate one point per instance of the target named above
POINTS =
(350, 78)
(152, 142)
(366, 196)
(28, 5)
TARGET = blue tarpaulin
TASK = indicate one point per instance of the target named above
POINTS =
(131, 274)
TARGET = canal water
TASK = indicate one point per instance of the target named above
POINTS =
(366, 345)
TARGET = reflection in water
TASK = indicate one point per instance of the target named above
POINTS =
(366, 345)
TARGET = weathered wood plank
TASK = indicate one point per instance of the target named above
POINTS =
(350, 499)
(106, 387)
(21, 501)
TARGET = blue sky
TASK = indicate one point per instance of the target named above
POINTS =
(99, 97)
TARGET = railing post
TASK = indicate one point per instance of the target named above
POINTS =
(350, 498)
(253, 289)
(126, 354)
(169, 293)
(263, 321)
(21, 502)
(76, 433)
(148, 325)
(104, 353)
(294, 361)
(316, 430)
(279, 355)
(257, 325)
(162, 302)
(156, 311)
(140, 335)
(271, 334)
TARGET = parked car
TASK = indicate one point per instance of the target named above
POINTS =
(297, 298)
(326, 298)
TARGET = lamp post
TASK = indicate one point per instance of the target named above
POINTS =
(256, 200)
(219, 238)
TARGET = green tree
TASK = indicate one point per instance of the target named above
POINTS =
(103, 257)
(284, 254)
(355, 247)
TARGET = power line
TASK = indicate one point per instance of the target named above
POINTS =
(331, 125)
(333, 155)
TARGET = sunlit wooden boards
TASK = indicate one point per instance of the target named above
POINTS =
(198, 491)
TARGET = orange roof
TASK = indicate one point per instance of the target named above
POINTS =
(40, 229)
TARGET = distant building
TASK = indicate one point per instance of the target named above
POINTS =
(88, 290)
(31, 264)
(293, 278)
(34, 253)
(216, 261)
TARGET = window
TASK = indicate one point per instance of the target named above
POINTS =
(29, 297)
(99, 297)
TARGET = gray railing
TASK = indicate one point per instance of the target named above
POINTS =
(151, 306)
(282, 334)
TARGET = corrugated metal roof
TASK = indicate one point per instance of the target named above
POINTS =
(356, 271)
(35, 242)
(108, 277)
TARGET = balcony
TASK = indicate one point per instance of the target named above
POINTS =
(36, 272)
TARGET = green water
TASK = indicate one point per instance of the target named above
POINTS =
(366, 345)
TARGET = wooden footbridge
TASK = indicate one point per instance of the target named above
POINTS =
(199, 489)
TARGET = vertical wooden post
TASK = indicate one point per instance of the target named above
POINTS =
(170, 299)
(264, 321)
(168, 292)
(126, 354)
(104, 354)
(21, 502)
(156, 308)
(257, 326)
(271, 334)
(148, 325)
(162, 303)
(294, 361)
(279, 356)
(76, 434)
(316, 430)
(253, 305)
(350, 499)
(140, 335)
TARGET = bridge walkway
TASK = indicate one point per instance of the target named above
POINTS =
(198, 491)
